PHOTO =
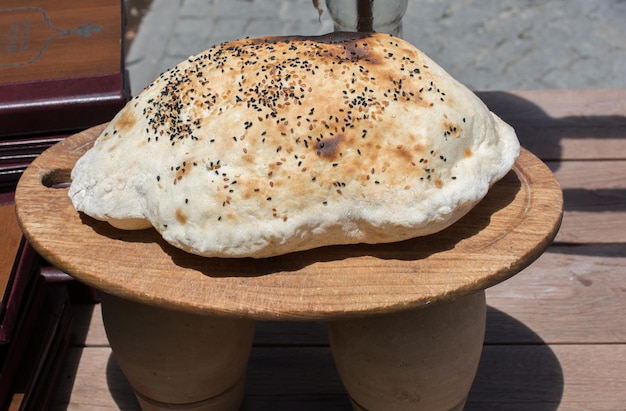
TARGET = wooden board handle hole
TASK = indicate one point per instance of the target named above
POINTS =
(57, 179)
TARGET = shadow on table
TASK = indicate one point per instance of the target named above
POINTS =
(119, 387)
(530, 121)
(585, 138)
(291, 368)
(517, 371)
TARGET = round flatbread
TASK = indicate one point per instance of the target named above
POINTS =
(260, 147)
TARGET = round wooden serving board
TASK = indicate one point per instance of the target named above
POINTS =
(503, 234)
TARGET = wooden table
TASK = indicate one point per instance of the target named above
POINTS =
(554, 332)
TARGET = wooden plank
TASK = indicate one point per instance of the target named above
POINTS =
(88, 326)
(286, 378)
(543, 106)
(542, 377)
(590, 175)
(565, 124)
(569, 295)
(91, 380)
(599, 142)
(510, 377)
(594, 194)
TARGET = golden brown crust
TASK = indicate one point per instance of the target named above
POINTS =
(345, 136)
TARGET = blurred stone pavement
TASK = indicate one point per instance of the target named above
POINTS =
(486, 44)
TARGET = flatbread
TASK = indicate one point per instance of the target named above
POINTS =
(260, 147)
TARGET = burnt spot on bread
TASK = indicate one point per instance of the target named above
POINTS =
(355, 51)
(329, 147)
(181, 217)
